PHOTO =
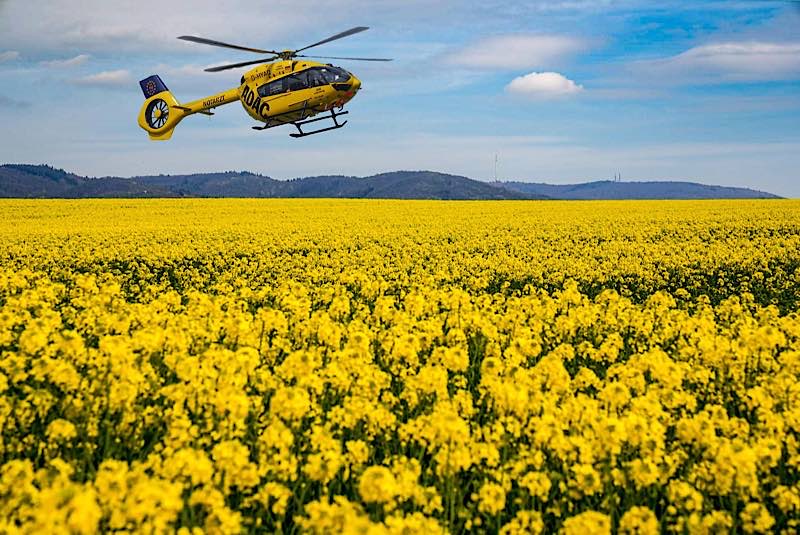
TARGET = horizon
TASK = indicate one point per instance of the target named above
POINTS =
(558, 91)
(621, 180)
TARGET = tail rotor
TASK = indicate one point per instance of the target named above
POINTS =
(157, 114)
(161, 112)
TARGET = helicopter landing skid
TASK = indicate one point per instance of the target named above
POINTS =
(333, 116)
(299, 124)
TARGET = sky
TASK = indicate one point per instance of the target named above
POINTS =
(558, 91)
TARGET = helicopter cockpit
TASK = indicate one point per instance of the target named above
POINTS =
(305, 79)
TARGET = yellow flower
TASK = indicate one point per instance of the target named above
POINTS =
(639, 521)
(61, 430)
(587, 523)
(537, 483)
(491, 498)
(756, 519)
(85, 513)
(586, 479)
(377, 485)
(357, 452)
(523, 523)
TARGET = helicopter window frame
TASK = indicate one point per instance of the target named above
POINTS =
(273, 88)
(300, 78)
(334, 75)
(315, 77)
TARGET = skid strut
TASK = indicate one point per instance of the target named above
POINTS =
(305, 112)
(332, 116)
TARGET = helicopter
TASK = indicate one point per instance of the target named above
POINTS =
(286, 88)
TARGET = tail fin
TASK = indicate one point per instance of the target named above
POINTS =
(152, 86)
(161, 111)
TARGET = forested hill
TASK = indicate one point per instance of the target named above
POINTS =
(39, 181)
(607, 189)
(42, 181)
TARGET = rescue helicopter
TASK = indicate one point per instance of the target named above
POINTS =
(286, 88)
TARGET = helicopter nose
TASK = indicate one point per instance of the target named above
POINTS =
(356, 83)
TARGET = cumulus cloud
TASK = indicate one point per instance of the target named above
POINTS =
(732, 61)
(151, 25)
(9, 55)
(518, 51)
(106, 78)
(66, 63)
(125, 25)
(543, 85)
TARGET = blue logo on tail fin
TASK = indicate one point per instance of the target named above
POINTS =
(152, 86)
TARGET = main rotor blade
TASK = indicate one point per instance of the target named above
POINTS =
(351, 31)
(351, 59)
(204, 41)
(236, 65)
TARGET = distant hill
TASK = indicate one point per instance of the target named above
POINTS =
(397, 185)
(42, 181)
(230, 184)
(606, 189)
(400, 185)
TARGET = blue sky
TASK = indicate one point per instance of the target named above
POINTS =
(562, 91)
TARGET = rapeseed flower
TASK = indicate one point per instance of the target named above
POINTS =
(221, 366)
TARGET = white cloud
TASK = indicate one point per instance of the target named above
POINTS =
(106, 78)
(518, 51)
(731, 61)
(65, 63)
(9, 55)
(543, 85)
(125, 25)
(151, 26)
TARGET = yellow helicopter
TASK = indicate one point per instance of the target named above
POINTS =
(287, 91)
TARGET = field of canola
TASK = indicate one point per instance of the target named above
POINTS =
(225, 366)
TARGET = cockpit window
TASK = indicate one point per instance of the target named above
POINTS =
(275, 87)
(297, 81)
(315, 77)
(334, 75)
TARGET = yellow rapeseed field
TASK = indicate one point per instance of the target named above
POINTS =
(346, 366)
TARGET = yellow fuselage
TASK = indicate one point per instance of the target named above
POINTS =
(267, 92)
(275, 93)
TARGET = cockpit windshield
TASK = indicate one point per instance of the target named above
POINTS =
(334, 74)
